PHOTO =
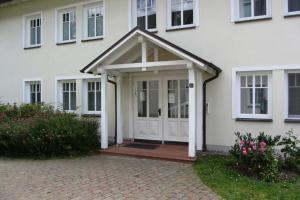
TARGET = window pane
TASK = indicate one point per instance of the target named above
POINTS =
(246, 101)
(91, 27)
(73, 100)
(66, 31)
(245, 8)
(151, 14)
(261, 101)
(98, 101)
(257, 81)
(293, 5)
(32, 36)
(153, 98)
(32, 98)
(91, 101)
(38, 35)
(176, 12)
(142, 98)
(66, 101)
(184, 99)
(188, 17)
(73, 30)
(173, 99)
(243, 81)
(141, 13)
(99, 26)
(294, 101)
(260, 7)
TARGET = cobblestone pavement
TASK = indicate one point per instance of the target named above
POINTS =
(99, 177)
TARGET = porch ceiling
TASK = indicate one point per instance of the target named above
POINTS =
(140, 50)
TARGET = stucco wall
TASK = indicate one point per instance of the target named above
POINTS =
(273, 42)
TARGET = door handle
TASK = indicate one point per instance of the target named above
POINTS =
(159, 112)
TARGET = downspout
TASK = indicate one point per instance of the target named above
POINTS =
(205, 107)
(115, 84)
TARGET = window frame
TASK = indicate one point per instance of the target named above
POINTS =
(85, 96)
(26, 89)
(26, 29)
(286, 94)
(134, 15)
(182, 26)
(85, 20)
(237, 92)
(286, 10)
(59, 24)
(235, 11)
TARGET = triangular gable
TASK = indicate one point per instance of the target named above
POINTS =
(157, 41)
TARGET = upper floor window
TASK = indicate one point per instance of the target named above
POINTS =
(66, 25)
(182, 13)
(93, 21)
(292, 7)
(144, 14)
(254, 95)
(251, 9)
(32, 32)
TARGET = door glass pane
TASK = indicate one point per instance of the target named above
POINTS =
(293, 5)
(142, 98)
(260, 7)
(151, 14)
(172, 99)
(176, 12)
(153, 98)
(245, 8)
(184, 99)
(188, 15)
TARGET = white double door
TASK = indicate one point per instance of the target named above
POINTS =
(161, 108)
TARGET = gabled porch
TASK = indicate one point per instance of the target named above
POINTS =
(159, 91)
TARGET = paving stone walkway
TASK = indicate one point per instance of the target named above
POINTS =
(99, 177)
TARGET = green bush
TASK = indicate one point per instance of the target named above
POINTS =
(38, 131)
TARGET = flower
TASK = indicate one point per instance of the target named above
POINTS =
(254, 147)
(262, 144)
(252, 143)
(262, 149)
(241, 142)
(245, 152)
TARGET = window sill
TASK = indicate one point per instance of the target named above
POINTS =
(92, 39)
(91, 115)
(252, 19)
(292, 14)
(181, 28)
(292, 120)
(253, 120)
(67, 42)
(33, 47)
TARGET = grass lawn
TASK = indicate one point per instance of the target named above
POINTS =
(214, 172)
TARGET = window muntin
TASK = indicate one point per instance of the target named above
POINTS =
(294, 95)
(144, 14)
(93, 96)
(35, 92)
(69, 96)
(182, 13)
(293, 6)
(94, 21)
(252, 9)
(254, 95)
(33, 26)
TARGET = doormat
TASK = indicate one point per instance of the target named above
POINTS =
(142, 146)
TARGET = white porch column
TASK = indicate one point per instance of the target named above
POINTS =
(104, 111)
(119, 111)
(192, 112)
(199, 113)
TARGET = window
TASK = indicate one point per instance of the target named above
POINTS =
(254, 94)
(93, 96)
(182, 13)
(69, 96)
(144, 14)
(251, 9)
(293, 95)
(32, 92)
(66, 26)
(292, 7)
(32, 32)
(93, 21)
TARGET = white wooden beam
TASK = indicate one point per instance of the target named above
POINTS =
(192, 113)
(104, 112)
(119, 111)
(144, 52)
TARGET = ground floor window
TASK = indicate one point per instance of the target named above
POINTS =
(69, 96)
(33, 92)
(254, 95)
(294, 95)
(93, 96)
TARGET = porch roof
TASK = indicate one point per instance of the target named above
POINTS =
(137, 31)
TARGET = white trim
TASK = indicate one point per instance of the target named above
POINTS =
(24, 29)
(235, 11)
(196, 16)
(266, 68)
(286, 9)
(24, 88)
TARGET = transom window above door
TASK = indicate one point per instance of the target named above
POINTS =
(93, 21)
(66, 26)
(144, 14)
(254, 95)
(32, 31)
(251, 9)
(182, 13)
(292, 7)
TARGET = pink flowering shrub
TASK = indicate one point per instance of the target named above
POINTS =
(256, 155)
